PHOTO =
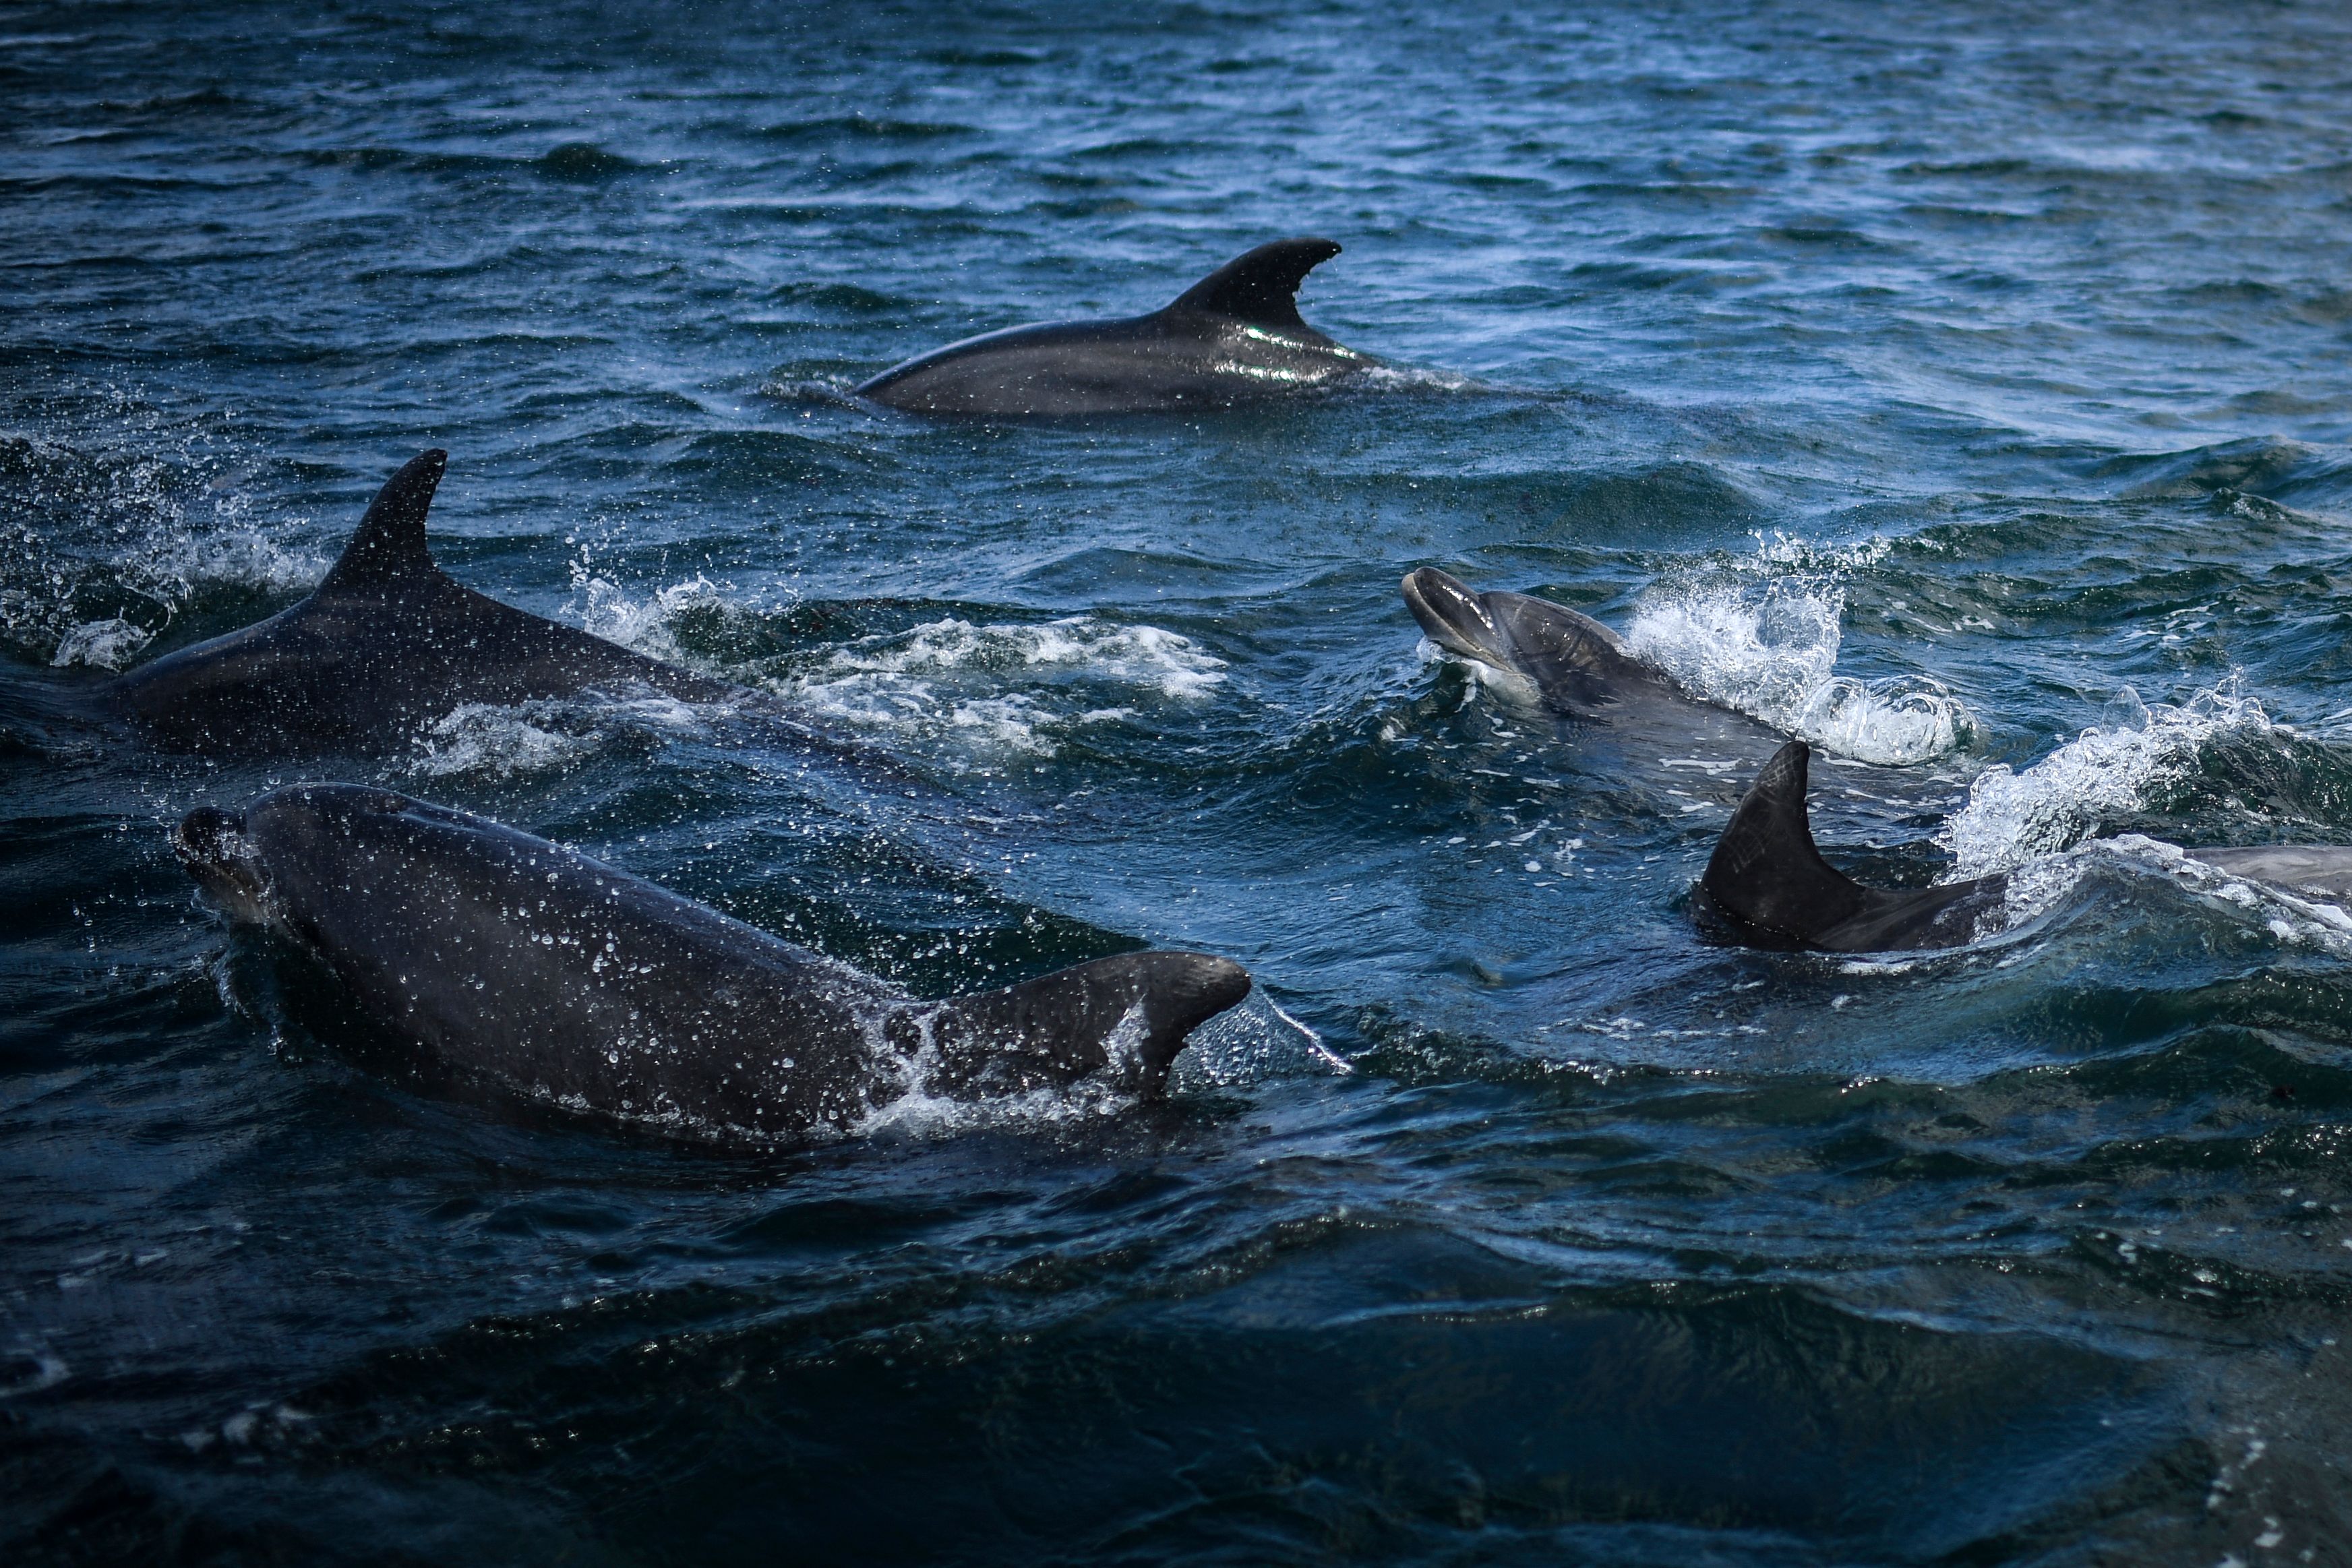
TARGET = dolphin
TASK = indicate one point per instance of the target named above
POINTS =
(517, 963)
(1626, 709)
(1580, 668)
(386, 642)
(2325, 870)
(1769, 884)
(1772, 889)
(1234, 337)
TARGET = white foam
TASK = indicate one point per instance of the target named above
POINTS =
(1411, 378)
(499, 742)
(949, 679)
(1767, 649)
(2106, 771)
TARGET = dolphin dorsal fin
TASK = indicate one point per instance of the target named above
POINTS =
(1766, 870)
(1261, 286)
(389, 546)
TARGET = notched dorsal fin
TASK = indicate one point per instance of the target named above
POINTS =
(1766, 869)
(1120, 1020)
(390, 544)
(1260, 287)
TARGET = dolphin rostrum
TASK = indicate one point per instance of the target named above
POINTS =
(1234, 337)
(520, 963)
(387, 641)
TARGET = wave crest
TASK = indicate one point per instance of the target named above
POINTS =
(2108, 771)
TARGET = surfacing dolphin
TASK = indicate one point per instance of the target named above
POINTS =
(532, 968)
(386, 642)
(1580, 668)
(1769, 884)
(1234, 337)
(1630, 714)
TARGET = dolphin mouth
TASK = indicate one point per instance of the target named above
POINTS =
(1453, 618)
(212, 844)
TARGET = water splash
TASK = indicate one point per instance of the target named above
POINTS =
(2110, 770)
(108, 644)
(1767, 649)
(492, 740)
(948, 680)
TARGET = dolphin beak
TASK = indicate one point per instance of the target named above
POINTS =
(210, 843)
(1452, 616)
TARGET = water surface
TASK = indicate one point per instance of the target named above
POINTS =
(1961, 387)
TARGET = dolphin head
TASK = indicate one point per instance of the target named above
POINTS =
(274, 863)
(212, 844)
(1452, 616)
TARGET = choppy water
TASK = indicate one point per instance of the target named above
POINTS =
(1961, 387)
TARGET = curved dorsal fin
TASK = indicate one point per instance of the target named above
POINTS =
(390, 544)
(1261, 286)
(1766, 869)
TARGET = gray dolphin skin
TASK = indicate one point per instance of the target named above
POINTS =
(1235, 337)
(1580, 667)
(536, 970)
(1773, 889)
(2322, 869)
(386, 642)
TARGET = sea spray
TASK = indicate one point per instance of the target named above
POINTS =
(1766, 649)
(2110, 770)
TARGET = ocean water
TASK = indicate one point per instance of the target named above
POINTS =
(1961, 387)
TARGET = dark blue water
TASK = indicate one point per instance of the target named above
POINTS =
(1961, 386)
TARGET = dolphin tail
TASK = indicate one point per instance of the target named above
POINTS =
(390, 544)
(1766, 871)
(1120, 1020)
(1261, 286)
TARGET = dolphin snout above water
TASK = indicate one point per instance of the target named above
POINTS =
(211, 844)
(1235, 337)
(535, 968)
(1453, 617)
(1581, 669)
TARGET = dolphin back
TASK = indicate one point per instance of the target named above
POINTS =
(387, 641)
(1235, 337)
(535, 968)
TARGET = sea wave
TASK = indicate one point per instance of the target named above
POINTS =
(2108, 771)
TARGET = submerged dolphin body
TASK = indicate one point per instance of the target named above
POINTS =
(2322, 869)
(519, 963)
(1235, 337)
(386, 642)
(1771, 886)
